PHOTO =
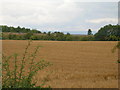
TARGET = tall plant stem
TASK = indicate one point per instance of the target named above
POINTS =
(23, 60)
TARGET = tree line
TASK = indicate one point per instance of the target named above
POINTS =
(18, 29)
(55, 36)
(106, 33)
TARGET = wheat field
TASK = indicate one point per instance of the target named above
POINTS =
(76, 64)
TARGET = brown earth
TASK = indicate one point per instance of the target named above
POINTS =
(76, 64)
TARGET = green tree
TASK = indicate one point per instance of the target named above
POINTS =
(89, 32)
(12, 36)
(44, 32)
(35, 31)
(49, 33)
(34, 37)
(59, 36)
(28, 35)
(108, 31)
(68, 38)
(68, 33)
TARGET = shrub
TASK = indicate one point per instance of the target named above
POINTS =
(17, 77)
(87, 38)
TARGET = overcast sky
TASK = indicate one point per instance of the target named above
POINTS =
(58, 15)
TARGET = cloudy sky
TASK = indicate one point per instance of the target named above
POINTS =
(58, 15)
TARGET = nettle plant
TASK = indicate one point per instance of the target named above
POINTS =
(18, 76)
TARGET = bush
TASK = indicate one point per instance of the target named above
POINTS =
(87, 38)
(17, 77)
(28, 36)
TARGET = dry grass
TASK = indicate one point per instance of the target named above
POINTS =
(76, 64)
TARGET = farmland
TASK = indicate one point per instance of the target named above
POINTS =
(76, 64)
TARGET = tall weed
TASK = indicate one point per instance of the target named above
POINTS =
(17, 77)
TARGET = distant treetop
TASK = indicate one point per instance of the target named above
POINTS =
(18, 29)
(89, 32)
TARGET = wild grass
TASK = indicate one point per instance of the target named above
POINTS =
(18, 76)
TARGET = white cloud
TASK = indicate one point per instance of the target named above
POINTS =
(38, 12)
(103, 20)
(52, 15)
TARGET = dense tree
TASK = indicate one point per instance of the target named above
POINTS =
(35, 31)
(59, 36)
(44, 32)
(89, 32)
(49, 33)
(108, 32)
(68, 33)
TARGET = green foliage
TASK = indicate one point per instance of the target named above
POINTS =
(56, 36)
(108, 33)
(18, 29)
(12, 36)
(28, 36)
(34, 37)
(18, 76)
(68, 37)
(83, 38)
(113, 38)
(35, 31)
(87, 38)
(89, 32)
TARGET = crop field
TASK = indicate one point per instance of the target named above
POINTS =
(76, 64)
